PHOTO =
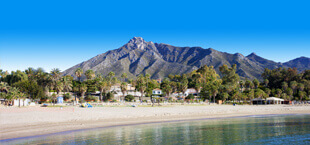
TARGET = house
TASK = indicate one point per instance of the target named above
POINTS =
(157, 92)
(270, 100)
(158, 80)
(274, 100)
(118, 94)
(191, 91)
(257, 101)
(22, 102)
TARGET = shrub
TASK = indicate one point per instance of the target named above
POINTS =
(67, 96)
(92, 98)
(190, 96)
(109, 96)
(129, 98)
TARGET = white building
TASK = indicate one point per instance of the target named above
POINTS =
(157, 92)
(191, 91)
(130, 91)
(22, 102)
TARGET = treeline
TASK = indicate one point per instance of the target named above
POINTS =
(36, 84)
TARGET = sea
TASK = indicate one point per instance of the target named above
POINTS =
(249, 130)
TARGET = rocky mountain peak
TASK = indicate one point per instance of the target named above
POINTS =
(137, 40)
(159, 60)
(252, 54)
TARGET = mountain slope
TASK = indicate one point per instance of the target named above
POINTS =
(159, 60)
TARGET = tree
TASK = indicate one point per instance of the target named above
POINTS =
(55, 75)
(30, 72)
(124, 89)
(284, 85)
(124, 76)
(301, 87)
(67, 84)
(284, 96)
(230, 78)
(90, 74)
(289, 92)
(267, 92)
(259, 93)
(79, 73)
(256, 83)
(266, 82)
(183, 85)
(251, 94)
(249, 85)
(141, 85)
(59, 87)
(301, 95)
(102, 84)
(279, 92)
(54, 97)
(225, 96)
(83, 89)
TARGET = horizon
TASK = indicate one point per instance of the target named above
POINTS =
(59, 35)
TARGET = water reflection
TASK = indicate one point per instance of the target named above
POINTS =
(253, 130)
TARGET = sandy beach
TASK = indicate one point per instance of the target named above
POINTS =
(30, 121)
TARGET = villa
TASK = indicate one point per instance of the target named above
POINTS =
(157, 92)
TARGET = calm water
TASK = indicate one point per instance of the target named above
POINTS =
(289, 129)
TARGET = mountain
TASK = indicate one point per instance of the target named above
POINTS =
(300, 63)
(159, 60)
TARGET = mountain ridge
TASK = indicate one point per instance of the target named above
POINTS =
(159, 60)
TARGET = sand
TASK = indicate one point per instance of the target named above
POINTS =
(30, 121)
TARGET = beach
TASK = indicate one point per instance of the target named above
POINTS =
(31, 121)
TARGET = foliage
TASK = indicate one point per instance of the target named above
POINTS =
(129, 98)
(190, 96)
(92, 98)
(67, 96)
(109, 96)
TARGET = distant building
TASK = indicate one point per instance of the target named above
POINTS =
(116, 89)
(158, 80)
(157, 92)
(191, 91)
(60, 100)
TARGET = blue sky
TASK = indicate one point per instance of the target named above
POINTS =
(60, 34)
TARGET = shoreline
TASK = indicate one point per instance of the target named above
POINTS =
(14, 131)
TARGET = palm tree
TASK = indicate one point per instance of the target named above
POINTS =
(301, 87)
(266, 82)
(79, 73)
(289, 92)
(101, 85)
(256, 83)
(90, 74)
(293, 85)
(83, 89)
(124, 76)
(30, 72)
(111, 74)
(4, 87)
(55, 73)
(124, 89)
(302, 94)
(59, 87)
(183, 86)
(284, 86)
(21, 96)
(67, 84)
(141, 86)
(279, 92)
